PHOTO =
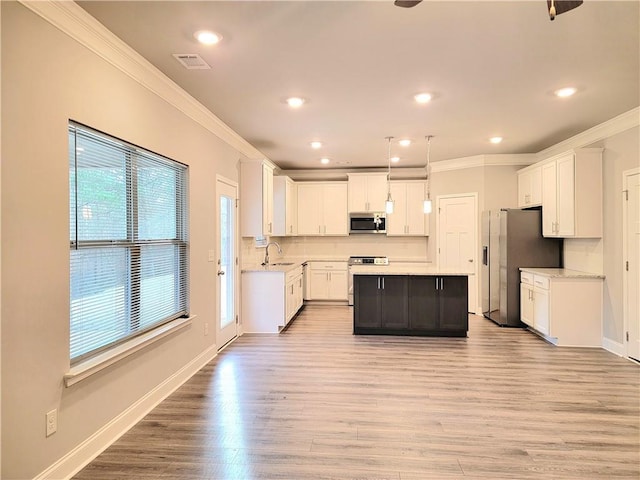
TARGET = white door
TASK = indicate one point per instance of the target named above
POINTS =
(227, 264)
(457, 238)
(632, 268)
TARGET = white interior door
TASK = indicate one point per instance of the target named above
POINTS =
(458, 237)
(227, 261)
(632, 266)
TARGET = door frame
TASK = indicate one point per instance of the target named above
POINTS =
(236, 286)
(625, 254)
(475, 283)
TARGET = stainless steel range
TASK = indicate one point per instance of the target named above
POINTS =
(362, 261)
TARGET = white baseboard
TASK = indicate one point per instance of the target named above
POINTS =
(614, 347)
(80, 456)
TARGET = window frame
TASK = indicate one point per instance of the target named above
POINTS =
(133, 244)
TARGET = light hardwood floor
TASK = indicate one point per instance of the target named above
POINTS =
(316, 402)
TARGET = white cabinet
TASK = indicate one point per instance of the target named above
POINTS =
(285, 207)
(270, 299)
(565, 308)
(526, 299)
(408, 217)
(367, 192)
(322, 208)
(530, 187)
(294, 293)
(327, 280)
(256, 198)
(572, 195)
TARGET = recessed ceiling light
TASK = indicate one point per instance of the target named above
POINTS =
(495, 140)
(316, 145)
(565, 92)
(395, 159)
(324, 161)
(423, 97)
(295, 102)
(207, 37)
(405, 142)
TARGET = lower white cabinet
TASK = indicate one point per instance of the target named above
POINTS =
(327, 280)
(270, 299)
(563, 306)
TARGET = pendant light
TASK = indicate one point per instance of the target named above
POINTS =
(388, 205)
(427, 206)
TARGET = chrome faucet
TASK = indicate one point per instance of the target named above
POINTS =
(266, 252)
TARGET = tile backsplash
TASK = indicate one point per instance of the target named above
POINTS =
(340, 248)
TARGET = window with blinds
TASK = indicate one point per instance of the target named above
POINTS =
(128, 238)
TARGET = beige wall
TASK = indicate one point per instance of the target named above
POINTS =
(47, 79)
(621, 152)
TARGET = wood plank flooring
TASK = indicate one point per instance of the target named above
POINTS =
(317, 402)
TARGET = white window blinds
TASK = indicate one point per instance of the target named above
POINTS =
(128, 238)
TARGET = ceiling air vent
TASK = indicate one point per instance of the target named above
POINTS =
(191, 61)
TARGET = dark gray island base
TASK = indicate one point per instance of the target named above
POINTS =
(426, 305)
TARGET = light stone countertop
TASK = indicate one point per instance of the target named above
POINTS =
(272, 267)
(560, 273)
(405, 268)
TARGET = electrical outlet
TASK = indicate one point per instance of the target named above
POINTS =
(52, 422)
(206, 328)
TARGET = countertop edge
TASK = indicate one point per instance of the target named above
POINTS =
(561, 273)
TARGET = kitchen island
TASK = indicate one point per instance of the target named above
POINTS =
(410, 299)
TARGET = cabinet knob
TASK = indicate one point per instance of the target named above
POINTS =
(220, 272)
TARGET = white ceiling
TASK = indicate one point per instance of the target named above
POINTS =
(491, 67)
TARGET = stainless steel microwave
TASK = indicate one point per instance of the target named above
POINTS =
(367, 223)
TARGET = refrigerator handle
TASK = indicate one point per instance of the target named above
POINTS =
(485, 255)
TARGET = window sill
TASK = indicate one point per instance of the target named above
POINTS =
(94, 365)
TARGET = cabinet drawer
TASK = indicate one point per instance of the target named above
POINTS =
(328, 265)
(296, 272)
(541, 282)
(526, 278)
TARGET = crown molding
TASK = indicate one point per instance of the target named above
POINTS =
(475, 161)
(604, 130)
(71, 19)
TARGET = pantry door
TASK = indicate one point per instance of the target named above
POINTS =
(458, 238)
(227, 261)
(631, 247)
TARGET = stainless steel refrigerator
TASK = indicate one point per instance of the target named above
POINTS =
(512, 239)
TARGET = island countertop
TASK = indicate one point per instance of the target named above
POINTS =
(406, 268)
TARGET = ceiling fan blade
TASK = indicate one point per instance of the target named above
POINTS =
(561, 6)
(407, 3)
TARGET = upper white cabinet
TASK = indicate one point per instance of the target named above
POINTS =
(285, 207)
(530, 187)
(367, 192)
(408, 216)
(572, 195)
(256, 198)
(322, 208)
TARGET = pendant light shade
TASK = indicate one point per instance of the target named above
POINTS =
(427, 206)
(388, 205)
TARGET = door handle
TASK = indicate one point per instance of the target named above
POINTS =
(437, 288)
(383, 283)
(220, 272)
(441, 283)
